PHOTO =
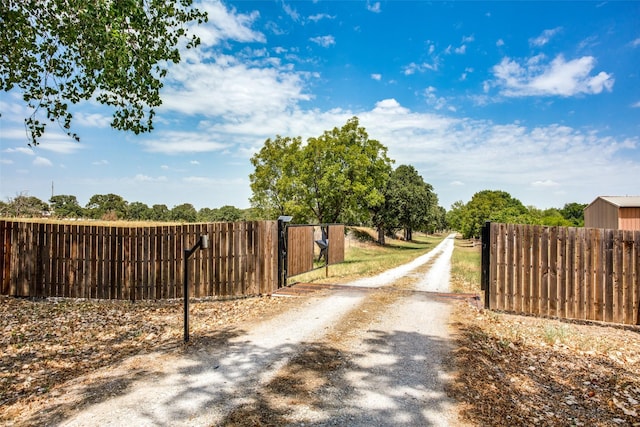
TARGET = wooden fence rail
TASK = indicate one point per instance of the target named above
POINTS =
(136, 263)
(576, 273)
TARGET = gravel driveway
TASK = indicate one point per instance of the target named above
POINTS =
(352, 356)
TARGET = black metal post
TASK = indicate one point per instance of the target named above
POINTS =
(203, 242)
(485, 283)
(282, 250)
(185, 293)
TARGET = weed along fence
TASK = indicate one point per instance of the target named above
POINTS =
(136, 263)
(576, 273)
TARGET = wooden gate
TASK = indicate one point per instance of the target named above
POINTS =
(306, 243)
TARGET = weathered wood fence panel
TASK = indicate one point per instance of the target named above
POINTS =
(336, 244)
(136, 263)
(300, 249)
(575, 273)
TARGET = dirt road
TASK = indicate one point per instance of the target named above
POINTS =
(368, 354)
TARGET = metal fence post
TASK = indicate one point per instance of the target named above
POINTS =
(283, 220)
(486, 262)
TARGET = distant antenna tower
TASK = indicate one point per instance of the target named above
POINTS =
(52, 189)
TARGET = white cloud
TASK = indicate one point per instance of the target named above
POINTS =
(455, 154)
(545, 37)
(545, 183)
(500, 42)
(6, 161)
(174, 142)
(419, 68)
(100, 162)
(41, 161)
(291, 12)
(225, 24)
(636, 105)
(146, 178)
(21, 150)
(636, 42)
(461, 50)
(320, 16)
(194, 162)
(433, 100)
(92, 120)
(467, 71)
(324, 41)
(203, 180)
(377, 77)
(61, 145)
(374, 7)
(559, 77)
(240, 89)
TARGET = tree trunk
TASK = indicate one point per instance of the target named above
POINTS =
(408, 235)
(381, 235)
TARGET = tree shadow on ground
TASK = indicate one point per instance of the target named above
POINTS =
(397, 380)
(103, 385)
(393, 379)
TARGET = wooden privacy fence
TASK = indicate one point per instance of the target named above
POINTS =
(135, 263)
(575, 273)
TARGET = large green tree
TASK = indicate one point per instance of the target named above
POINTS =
(339, 176)
(139, 211)
(184, 213)
(23, 205)
(107, 206)
(61, 52)
(574, 212)
(274, 181)
(160, 212)
(411, 202)
(66, 206)
(489, 205)
(343, 174)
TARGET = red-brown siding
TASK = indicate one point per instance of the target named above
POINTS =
(629, 219)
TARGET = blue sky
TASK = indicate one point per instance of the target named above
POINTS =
(539, 99)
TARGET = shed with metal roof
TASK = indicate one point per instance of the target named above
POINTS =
(613, 212)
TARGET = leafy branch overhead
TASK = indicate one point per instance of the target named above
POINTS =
(62, 52)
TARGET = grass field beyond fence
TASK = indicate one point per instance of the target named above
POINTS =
(365, 258)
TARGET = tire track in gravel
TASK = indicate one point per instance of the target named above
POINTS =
(242, 377)
(381, 365)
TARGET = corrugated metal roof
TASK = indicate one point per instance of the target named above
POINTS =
(623, 201)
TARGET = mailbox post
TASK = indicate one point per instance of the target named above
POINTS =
(203, 243)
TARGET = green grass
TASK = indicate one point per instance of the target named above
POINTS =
(366, 258)
(465, 267)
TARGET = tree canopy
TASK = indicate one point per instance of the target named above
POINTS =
(410, 201)
(62, 52)
(109, 207)
(274, 181)
(338, 176)
(500, 206)
(342, 174)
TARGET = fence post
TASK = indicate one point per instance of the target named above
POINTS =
(485, 261)
(282, 250)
